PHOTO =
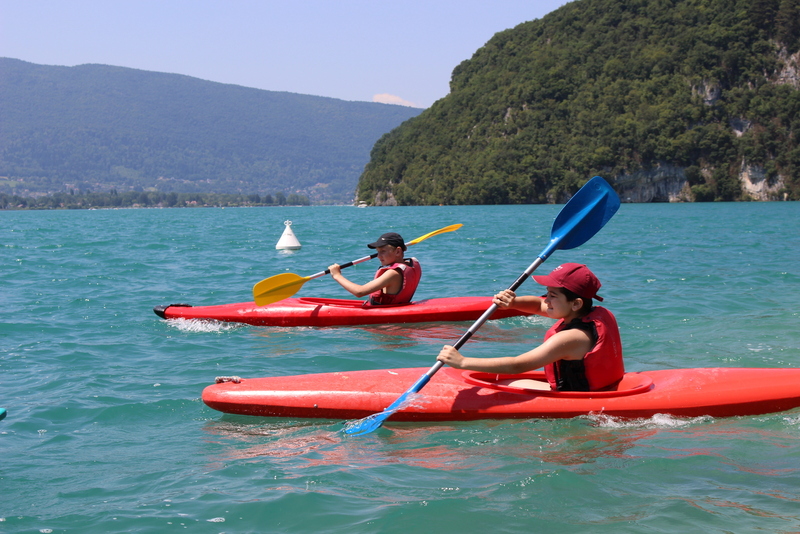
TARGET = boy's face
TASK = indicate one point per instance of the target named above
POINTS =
(387, 254)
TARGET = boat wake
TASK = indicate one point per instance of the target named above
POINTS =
(659, 420)
(198, 325)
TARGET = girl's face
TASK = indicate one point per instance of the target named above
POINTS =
(558, 307)
(387, 254)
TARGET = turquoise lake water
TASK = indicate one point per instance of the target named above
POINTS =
(106, 431)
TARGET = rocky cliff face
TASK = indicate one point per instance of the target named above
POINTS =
(756, 184)
(664, 184)
(789, 74)
(384, 198)
(669, 184)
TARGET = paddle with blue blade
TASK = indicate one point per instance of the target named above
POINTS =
(580, 219)
(284, 285)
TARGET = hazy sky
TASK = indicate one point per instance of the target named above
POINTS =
(400, 51)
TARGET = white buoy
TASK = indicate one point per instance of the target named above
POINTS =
(288, 240)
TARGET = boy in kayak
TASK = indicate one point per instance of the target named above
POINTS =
(396, 279)
(581, 352)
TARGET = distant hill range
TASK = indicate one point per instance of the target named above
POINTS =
(669, 100)
(102, 128)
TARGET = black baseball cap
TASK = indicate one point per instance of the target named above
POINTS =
(389, 238)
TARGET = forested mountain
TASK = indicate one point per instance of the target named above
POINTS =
(98, 128)
(666, 99)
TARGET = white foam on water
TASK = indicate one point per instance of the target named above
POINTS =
(659, 420)
(200, 325)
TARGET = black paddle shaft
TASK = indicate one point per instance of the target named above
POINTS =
(348, 264)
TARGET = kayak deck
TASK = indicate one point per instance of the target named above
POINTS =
(337, 312)
(466, 395)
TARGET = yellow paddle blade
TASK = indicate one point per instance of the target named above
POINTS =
(451, 228)
(278, 287)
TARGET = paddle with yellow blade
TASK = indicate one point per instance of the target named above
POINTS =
(284, 285)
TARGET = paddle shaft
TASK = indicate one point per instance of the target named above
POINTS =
(348, 264)
(476, 325)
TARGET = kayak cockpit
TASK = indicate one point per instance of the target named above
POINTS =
(348, 303)
(535, 383)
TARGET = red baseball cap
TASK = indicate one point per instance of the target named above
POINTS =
(573, 276)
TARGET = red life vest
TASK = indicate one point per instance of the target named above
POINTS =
(411, 271)
(603, 364)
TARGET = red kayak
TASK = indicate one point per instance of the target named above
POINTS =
(453, 395)
(337, 312)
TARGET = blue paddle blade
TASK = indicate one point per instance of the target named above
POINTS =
(368, 424)
(581, 218)
(374, 421)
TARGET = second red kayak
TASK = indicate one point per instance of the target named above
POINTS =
(337, 312)
(454, 395)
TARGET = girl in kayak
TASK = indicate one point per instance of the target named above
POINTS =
(396, 279)
(581, 352)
